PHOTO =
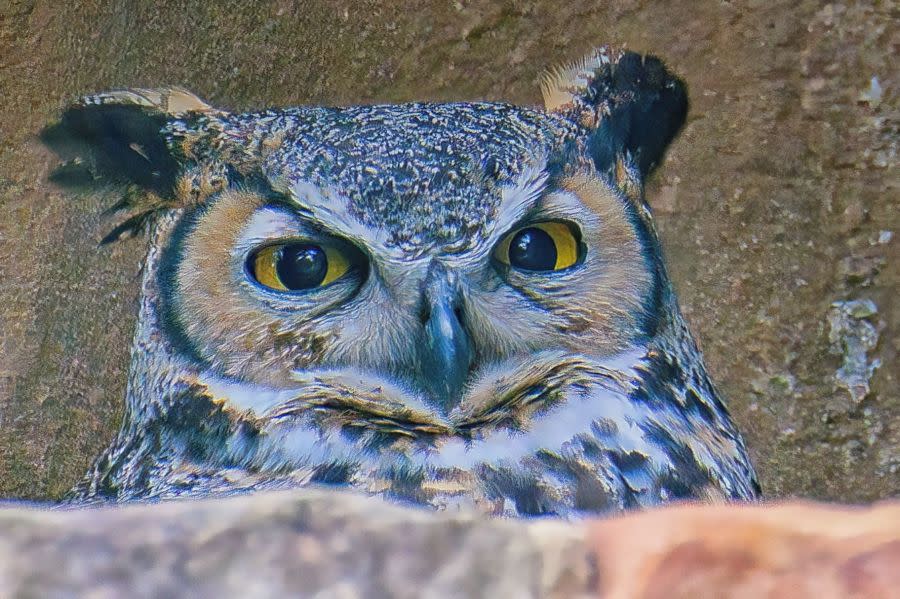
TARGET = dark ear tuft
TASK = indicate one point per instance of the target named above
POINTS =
(656, 111)
(635, 104)
(118, 137)
(131, 227)
(118, 143)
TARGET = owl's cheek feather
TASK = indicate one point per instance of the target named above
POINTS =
(259, 336)
(595, 433)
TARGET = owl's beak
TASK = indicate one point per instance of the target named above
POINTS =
(447, 355)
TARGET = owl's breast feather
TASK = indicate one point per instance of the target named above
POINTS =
(598, 443)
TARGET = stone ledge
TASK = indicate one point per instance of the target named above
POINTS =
(787, 550)
(323, 543)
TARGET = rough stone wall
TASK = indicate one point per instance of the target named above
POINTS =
(779, 199)
(329, 544)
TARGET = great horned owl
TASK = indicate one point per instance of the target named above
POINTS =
(459, 304)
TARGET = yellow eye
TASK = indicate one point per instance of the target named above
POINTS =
(297, 266)
(539, 247)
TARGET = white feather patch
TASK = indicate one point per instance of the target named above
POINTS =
(174, 101)
(560, 85)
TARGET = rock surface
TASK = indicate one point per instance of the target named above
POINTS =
(779, 199)
(309, 544)
(323, 544)
(788, 551)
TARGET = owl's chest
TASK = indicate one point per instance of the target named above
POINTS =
(595, 448)
(586, 453)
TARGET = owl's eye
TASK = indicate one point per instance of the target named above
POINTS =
(539, 247)
(297, 266)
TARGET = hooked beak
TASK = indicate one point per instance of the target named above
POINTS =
(447, 353)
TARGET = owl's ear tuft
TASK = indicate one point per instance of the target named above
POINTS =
(632, 105)
(128, 228)
(118, 137)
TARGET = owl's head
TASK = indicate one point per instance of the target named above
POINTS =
(426, 300)
(430, 250)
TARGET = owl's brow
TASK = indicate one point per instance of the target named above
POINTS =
(521, 198)
(326, 208)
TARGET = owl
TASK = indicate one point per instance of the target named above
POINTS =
(454, 305)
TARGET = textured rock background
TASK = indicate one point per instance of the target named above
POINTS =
(331, 544)
(779, 198)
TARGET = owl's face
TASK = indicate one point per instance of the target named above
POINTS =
(440, 302)
(432, 283)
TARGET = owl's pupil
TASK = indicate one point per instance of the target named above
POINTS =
(301, 266)
(532, 249)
